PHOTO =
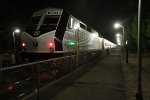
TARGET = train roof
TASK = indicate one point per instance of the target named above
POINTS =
(48, 11)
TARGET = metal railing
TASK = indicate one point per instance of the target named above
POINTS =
(17, 81)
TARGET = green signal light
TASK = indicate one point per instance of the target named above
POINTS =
(71, 43)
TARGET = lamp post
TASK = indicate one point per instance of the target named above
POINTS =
(15, 31)
(139, 78)
(117, 25)
(126, 51)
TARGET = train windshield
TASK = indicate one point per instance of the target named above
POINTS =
(32, 25)
(49, 24)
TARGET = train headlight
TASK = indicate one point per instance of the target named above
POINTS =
(51, 46)
(23, 46)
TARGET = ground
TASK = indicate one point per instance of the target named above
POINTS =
(130, 75)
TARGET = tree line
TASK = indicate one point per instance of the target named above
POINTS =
(131, 33)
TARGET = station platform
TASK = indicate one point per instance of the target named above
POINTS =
(104, 81)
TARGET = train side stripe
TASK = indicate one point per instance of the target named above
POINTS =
(60, 31)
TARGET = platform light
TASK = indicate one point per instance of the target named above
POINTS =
(118, 39)
(118, 35)
(119, 43)
(117, 25)
(15, 31)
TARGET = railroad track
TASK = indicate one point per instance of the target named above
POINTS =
(23, 80)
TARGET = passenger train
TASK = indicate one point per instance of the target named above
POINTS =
(54, 31)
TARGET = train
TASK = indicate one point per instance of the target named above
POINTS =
(56, 32)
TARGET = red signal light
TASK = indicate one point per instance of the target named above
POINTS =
(10, 88)
(23, 44)
(51, 45)
(36, 90)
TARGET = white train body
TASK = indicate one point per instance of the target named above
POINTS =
(55, 31)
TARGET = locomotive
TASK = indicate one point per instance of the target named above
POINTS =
(55, 32)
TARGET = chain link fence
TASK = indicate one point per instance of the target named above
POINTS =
(18, 81)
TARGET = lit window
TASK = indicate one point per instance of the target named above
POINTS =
(71, 23)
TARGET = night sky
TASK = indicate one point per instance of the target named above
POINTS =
(99, 14)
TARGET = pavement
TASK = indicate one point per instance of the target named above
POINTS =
(130, 75)
(104, 81)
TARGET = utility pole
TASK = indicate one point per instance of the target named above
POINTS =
(139, 92)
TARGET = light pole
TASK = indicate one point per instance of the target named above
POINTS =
(15, 31)
(117, 25)
(139, 78)
(126, 51)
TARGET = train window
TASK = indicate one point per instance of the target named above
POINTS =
(82, 26)
(51, 20)
(70, 23)
(32, 25)
(89, 29)
(49, 24)
(34, 20)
